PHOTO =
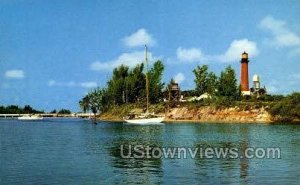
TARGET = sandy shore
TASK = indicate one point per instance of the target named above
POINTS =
(171, 121)
(206, 114)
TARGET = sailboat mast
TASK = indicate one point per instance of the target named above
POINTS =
(147, 79)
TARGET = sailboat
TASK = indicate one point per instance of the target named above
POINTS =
(145, 118)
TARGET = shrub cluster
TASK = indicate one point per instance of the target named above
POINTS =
(287, 109)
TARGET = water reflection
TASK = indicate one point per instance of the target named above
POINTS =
(244, 144)
(67, 151)
(222, 137)
(103, 142)
(143, 169)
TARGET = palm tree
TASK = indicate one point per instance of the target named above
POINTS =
(85, 103)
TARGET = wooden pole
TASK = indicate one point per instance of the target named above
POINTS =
(147, 79)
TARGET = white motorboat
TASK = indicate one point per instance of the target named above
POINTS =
(146, 118)
(30, 117)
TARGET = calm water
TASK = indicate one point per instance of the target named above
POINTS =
(74, 151)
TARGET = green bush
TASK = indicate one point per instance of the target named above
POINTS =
(64, 111)
(223, 101)
(287, 109)
(268, 97)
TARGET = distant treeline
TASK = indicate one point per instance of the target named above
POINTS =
(14, 109)
(61, 111)
(27, 109)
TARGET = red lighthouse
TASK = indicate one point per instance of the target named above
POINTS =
(244, 75)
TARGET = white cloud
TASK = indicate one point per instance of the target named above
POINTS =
(129, 59)
(282, 36)
(179, 77)
(90, 84)
(189, 55)
(61, 84)
(99, 66)
(232, 54)
(139, 38)
(236, 48)
(15, 74)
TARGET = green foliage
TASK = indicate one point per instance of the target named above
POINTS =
(223, 101)
(64, 111)
(11, 109)
(117, 85)
(227, 85)
(84, 103)
(268, 97)
(96, 101)
(135, 84)
(188, 93)
(14, 109)
(287, 109)
(54, 111)
(201, 77)
(212, 83)
(28, 109)
(126, 86)
(155, 82)
(206, 82)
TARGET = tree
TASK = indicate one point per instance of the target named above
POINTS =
(212, 83)
(96, 101)
(14, 109)
(64, 111)
(2, 110)
(155, 82)
(206, 82)
(135, 84)
(201, 78)
(125, 86)
(53, 111)
(228, 83)
(28, 109)
(116, 85)
(84, 104)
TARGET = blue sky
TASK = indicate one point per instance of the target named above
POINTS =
(53, 52)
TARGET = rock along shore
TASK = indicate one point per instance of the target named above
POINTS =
(202, 114)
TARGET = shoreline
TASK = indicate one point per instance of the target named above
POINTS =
(170, 121)
(204, 114)
(176, 121)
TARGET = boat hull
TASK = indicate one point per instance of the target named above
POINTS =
(145, 121)
(30, 118)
